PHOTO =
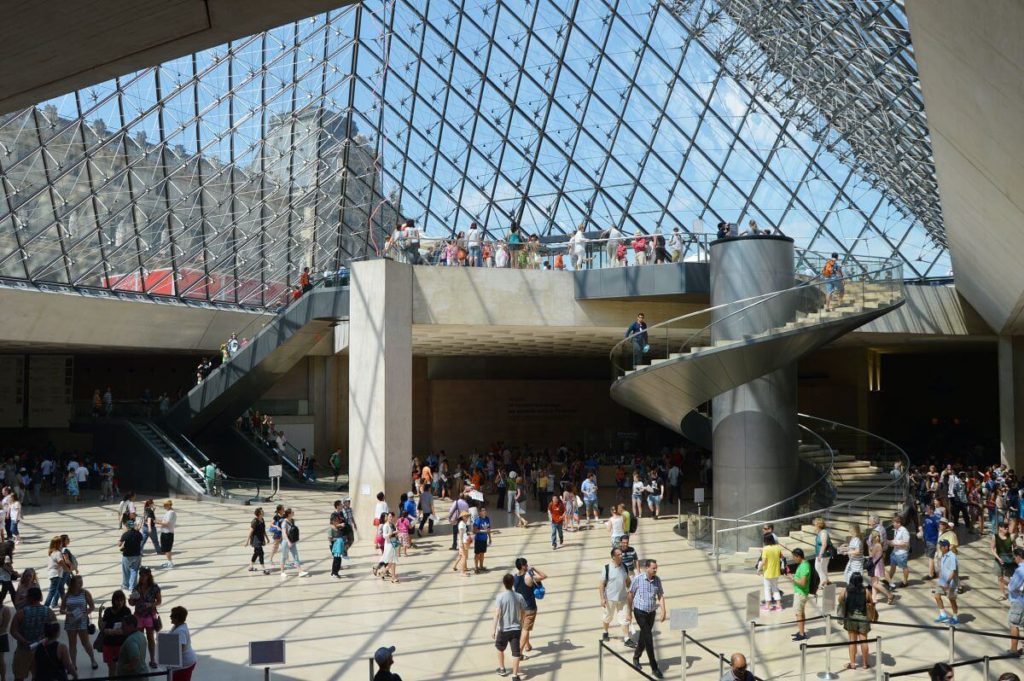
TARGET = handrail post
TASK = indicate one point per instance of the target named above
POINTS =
(952, 637)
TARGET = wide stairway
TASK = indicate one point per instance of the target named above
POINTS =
(691, 359)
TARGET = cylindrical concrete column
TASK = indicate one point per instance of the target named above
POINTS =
(754, 428)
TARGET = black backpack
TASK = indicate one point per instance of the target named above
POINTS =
(633, 520)
(293, 533)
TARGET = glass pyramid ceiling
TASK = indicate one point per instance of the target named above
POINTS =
(220, 175)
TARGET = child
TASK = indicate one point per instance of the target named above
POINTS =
(620, 254)
(378, 540)
(404, 542)
(337, 550)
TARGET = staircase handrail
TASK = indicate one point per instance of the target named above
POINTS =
(897, 485)
(826, 475)
(891, 272)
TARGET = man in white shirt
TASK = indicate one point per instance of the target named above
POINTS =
(900, 550)
(614, 588)
(167, 525)
(614, 236)
(82, 473)
(675, 245)
(578, 248)
(476, 258)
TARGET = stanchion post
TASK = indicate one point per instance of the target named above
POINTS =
(371, 669)
(952, 641)
(985, 671)
(878, 659)
(828, 675)
(266, 673)
(600, 660)
(753, 654)
(803, 662)
(721, 665)
(682, 655)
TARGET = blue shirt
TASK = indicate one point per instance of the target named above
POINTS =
(589, 490)
(931, 528)
(947, 566)
(646, 592)
(481, 525)
(410, 508)
(1016, 587)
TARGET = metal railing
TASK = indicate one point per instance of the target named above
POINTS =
(810, 302)
(894, 492)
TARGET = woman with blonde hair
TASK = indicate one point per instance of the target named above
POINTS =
(56, 568)
(27, 581)
(854, 551)
(876, 565)
(824, 551)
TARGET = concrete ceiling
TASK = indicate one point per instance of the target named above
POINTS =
(970, 56)
(51, 48)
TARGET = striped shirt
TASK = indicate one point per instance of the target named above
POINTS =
(646, 592)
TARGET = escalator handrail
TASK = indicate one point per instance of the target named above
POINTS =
(159, 433)
(189, 480)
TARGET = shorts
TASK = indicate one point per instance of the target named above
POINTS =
(480, 546)
(899, 560)
(831, 284)
(799, 602)
(24, 662)
(166, 542)
(947, 591)
(653, 500)
(637, 497)
(519, 509)
(929, 549)
(404, 539)
(110, 653)
(145, 621)
(529, 619)
(1002, 569)
(504, 638)
(613, 612)
(591, 504)
(1016, 616)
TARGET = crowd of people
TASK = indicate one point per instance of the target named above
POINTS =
(942, 508)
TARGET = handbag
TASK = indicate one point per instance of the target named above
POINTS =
(158, 623)
(97, 643)
(539, 591)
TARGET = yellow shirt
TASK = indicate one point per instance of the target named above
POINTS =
(771, 561)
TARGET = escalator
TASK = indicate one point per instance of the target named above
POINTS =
(229, 390)
(245, 458)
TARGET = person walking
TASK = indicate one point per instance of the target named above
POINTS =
(290, 544)
(615, 525)
(527, 580)
(589, 491)
(335, 463)
(855, 603)
(481, 540)
(131, 556)
(638, 495)
(426, 508)
(900, 556)
(27, 628)
(646, 596)
(1001, 548)
(854, 551)
(257, 539)
(509, 610)
(637, 334)
(1015, 593)
(947, 584)
(465, 539)
(556, 514)
(389, 556)
(167, 525)
(149, 528)
(56, 568)
(520, 506)
(455, 511)
(801, 592)
(78, 605)
(52, 660)
(930, 530)
(274, 531)
(614, 591)
(146, 598)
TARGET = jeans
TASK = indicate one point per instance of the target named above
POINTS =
(645, 641)
(146, 535)
(209, 487)
(53, 596)
(427, 519)
(336, 565)
(556, 531)
(257, 554)
(130, 570)
(455, 536)
(638, 354)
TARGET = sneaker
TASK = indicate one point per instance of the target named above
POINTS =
(501, 671)
(284, 576)
(335, 575)
(604, 636)
(636, 663)
(630, 643)
(516, 678)
(304, 573)
(942, 618)
(799, 637)
(657, 673)
(953, 621)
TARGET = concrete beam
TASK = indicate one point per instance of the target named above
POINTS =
(51, 48)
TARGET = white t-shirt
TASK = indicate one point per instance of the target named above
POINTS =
(53, 567)
(83, 473)
(46, 467)
(15, 511)
(188, 655)
(170, 520)
(473, 237)
(901, 536)
(72, 465)
(638, 488)
(381, 507)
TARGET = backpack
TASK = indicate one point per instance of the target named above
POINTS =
(293, 533)
(632, 523)
(830, 267)
(815, 582)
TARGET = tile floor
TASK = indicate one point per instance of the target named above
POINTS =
(440, 623)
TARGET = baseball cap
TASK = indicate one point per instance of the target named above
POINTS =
(944, 542)
(944, 521)
(382, 654)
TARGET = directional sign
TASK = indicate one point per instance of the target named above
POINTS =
(682, 619)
